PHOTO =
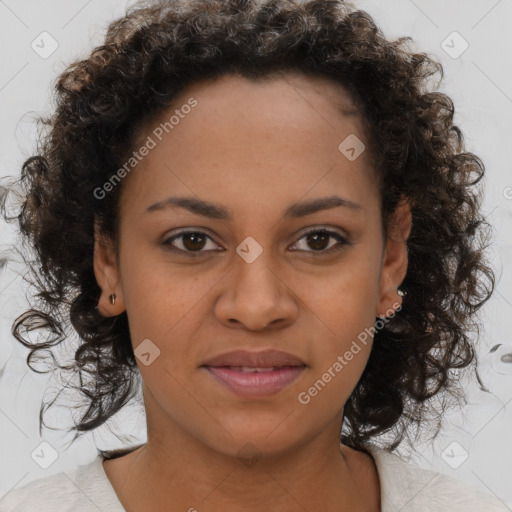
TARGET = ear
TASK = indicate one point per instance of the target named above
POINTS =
(107, 275)
(395, 260)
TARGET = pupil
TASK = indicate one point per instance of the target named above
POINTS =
(197, 241)
(315, 237)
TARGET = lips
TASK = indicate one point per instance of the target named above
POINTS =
(244, 360)
(254, 375)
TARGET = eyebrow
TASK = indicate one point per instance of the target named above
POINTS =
(216, 211)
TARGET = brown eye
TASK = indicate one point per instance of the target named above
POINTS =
(193, 241)
(190, 242)
(318, 241)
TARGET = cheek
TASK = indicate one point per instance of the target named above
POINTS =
(163, 314)
(342, 303)
(343, 312)
(159, 296)
(331, 382)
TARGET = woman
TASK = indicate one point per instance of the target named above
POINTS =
(262, 210)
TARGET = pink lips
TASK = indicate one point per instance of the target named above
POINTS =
(255, 374)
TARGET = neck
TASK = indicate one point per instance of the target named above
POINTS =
(174, 467)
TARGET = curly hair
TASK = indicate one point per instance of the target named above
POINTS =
(153, 53)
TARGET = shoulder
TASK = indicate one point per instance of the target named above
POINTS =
(410, 488)
(79, 490)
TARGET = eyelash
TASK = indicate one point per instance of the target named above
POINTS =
(342, 242)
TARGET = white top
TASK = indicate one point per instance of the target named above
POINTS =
(404, 488)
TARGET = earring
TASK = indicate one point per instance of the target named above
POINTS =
(113, 299)
(402, 294)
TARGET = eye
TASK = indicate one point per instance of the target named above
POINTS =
(319, 240)
(191, 242)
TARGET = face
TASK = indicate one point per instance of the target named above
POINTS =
(268, 264)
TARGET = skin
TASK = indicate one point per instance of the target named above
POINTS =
(255, 148)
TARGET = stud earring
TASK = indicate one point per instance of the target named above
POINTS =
(113, 299)
(402, 294)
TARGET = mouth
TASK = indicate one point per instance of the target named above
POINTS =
(250, 369)
(255, 374)
(255, 382)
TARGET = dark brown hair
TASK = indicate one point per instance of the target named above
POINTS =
(152, 54)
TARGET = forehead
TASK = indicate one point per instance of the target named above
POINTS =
(271, 139)
(282, 92)
(280, 85)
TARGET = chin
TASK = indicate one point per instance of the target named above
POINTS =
(251, 440)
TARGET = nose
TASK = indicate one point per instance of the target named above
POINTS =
(256, 296)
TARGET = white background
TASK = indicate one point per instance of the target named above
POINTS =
(480, 83)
